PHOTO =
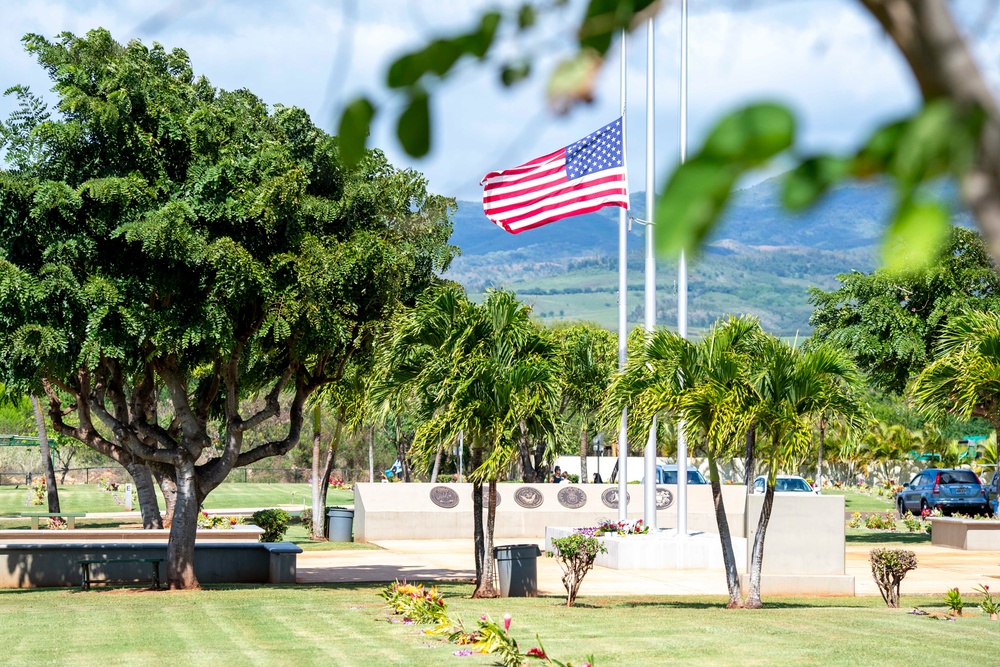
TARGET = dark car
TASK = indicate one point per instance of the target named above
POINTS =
(948, 490)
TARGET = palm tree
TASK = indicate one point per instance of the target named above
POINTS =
(965, 378)
(483, 370)
(791, 387)
(705, 383)
(589, 362)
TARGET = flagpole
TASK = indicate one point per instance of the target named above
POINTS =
(649, 486)
(682, 455)
(623, 309)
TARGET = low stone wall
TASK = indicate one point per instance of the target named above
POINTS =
(444, 511)
(662, 550)
(967, 534)
(108, 535)
(55, 564)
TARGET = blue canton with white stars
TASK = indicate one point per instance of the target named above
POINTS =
(596, 152)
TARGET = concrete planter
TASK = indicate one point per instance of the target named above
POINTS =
(966, 534)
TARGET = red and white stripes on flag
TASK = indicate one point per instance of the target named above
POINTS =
(580, 178)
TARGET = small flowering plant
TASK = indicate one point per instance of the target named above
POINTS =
(208, 521)
(988, 605)
(57, 523)
(538, 653)
(953, 600)
(608, 527)
(415, 603)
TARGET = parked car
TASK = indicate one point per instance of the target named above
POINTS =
(667, 474)
(784, 484)
(946, 489)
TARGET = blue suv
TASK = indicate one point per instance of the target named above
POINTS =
(948, 490)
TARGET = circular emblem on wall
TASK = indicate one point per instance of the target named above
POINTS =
(610, 498)
(664, 498)
(528, 497)
(444, 497)
(572, 497)
(486, 497)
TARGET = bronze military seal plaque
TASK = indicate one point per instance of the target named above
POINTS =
(572, 497)
(528, 497)
(610, 498)
(444, 497)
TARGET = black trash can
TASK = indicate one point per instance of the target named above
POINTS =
(517, 569)
(339, 524)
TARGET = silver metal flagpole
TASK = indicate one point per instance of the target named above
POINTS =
(623, 311)
(649, 485)
(682, 298)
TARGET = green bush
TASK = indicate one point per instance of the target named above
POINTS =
(274, 522)
(575, 554)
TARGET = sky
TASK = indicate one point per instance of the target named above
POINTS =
(825, 58)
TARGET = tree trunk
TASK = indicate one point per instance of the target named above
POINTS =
(541, 468)
(757, 556)
(437, 464)
(180, 547)
(583, 454)
(529, 473)
(371, 453)
(331, 454)
(750, 453)
(478, 538)
(485, 588)
(728, 557)
(819, 464)
(168, 487)
(402, 451)
(317, 484)
(51, 490)
(149, 507)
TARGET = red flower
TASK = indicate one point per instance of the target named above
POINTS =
(536, 653)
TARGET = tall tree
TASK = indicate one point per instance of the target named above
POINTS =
(590, 358)
(707, 384)
(791, 387)
(890, 321)
(481, 370)
(159, 234)
(965, 378)
(51, 491)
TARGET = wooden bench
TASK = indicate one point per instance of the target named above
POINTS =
(69, 516)
(85, 566)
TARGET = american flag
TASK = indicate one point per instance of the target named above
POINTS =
(580, 178)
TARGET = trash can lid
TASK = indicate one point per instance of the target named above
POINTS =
(512, 551)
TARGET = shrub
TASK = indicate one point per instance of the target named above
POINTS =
(855, 521)
(912, 523)
(880, 522)
(889, 566)
(953, 600)
(219, 522)
(273, 522)
(576, 554)
(307, 520)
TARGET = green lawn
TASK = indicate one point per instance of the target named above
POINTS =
(859, 502)
(90, 498)
(346, 626)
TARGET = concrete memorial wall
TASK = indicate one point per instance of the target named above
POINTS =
(444, 511)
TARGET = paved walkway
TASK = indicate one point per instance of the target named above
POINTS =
(449, 560)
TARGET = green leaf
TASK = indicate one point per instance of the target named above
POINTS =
(526, 16)
(355, 126)
(915, 237)
(414, 127)
(805, 184)
(752, 135)
(573, 80)
(514, 72)
(406, 70)
(479, 42)
(691, 203)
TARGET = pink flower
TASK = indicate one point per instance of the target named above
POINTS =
(463, 652)
(506, 621)
(483, 617)
(536, 653)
